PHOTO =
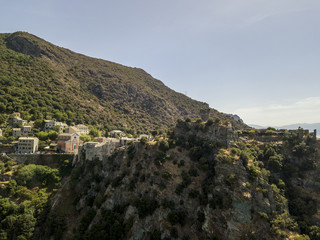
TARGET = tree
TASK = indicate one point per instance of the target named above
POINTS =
(85, 138)
(275, 162)
(94, 132)
(143, 140)
(39, 123)
(52, 135)
(154, 133)
(300, 149)
(43, 136)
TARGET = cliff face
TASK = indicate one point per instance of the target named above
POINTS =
(184, 187)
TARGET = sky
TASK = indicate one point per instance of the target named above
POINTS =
(259, 59)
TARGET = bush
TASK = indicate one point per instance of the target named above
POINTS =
(244, 157)
(177, 217)
(174, 232)
(86, 220)
(146, 206)
(231, 180)
(144, 140)
(209, 122)
(163, 145)
(37, 175)
(275, 163)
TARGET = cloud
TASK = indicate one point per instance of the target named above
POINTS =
(303, 111)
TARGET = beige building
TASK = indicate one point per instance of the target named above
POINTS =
(71, 130)
(49, 124)
(116, 133)
(16, 132)
(0, 133)
(26, 130)
(28, 145)
(82, 129)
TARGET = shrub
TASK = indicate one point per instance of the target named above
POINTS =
(209, 122)
(174, 232)
(231, 180)
(193, 172)
(146, 206)
(193, 194)
(163, 145)
(36, 175)
(177, 217)
(143, 140)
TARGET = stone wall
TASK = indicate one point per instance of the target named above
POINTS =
(94, 150)
(216, 132)
(7, 148)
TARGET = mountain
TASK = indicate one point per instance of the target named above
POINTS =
(42, 80)
(257, 126)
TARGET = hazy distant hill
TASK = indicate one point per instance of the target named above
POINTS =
(40, 79)
(310, 126)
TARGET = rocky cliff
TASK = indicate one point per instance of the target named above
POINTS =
(185, 186)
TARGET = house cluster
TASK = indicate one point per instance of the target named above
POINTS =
(102, 149)
(68, 140)
(20, 127)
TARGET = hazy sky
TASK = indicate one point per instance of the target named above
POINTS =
(259, 59)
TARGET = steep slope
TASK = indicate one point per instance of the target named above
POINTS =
(40, 79)
(191, 186)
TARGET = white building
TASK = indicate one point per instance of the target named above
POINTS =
(48, 124)
(82, 129)
(115, 133)
(0, 133)
(28, 145)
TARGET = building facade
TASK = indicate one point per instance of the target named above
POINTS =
(68, 142)
(28, 145)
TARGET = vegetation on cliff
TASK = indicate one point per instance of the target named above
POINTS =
(24, 193)
(190, 186)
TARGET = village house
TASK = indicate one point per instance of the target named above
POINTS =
(15, 114)
(71, 130)
(68, 142)
(82, 129)
(125, 140)
(116, 133)
(101, 139)
(148, 137)
(26, 130)
(50, 124)
(61, 125)
(16, 121)
(28, 145)
(16, 132)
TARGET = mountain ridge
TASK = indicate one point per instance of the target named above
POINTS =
(99, 91)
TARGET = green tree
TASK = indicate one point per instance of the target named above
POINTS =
(52, 135)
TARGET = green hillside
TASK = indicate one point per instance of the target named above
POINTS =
(41, 80)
